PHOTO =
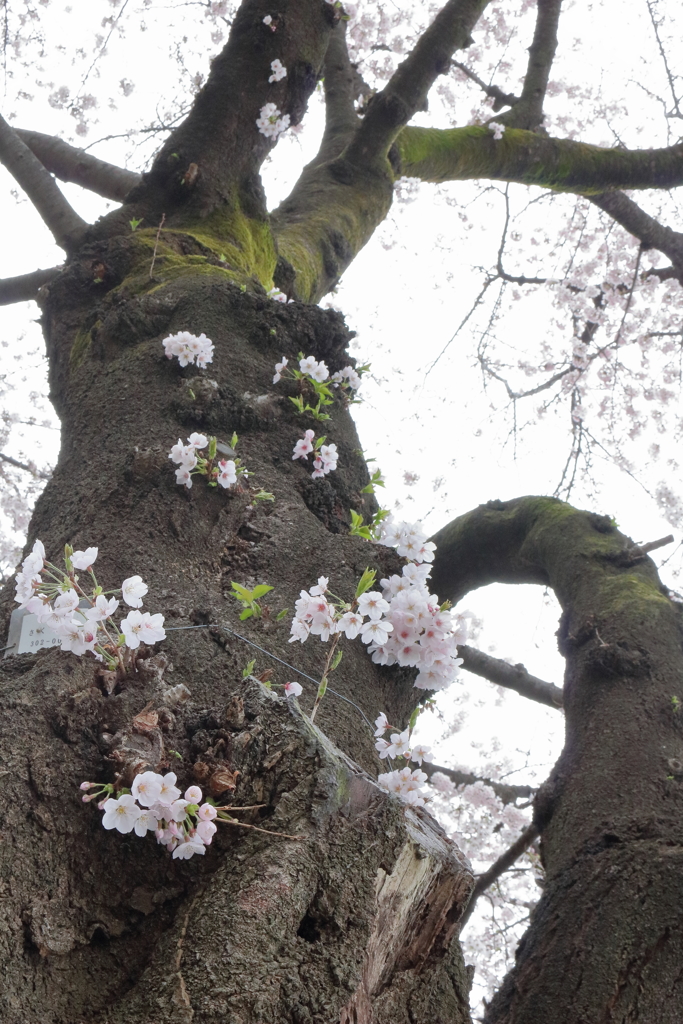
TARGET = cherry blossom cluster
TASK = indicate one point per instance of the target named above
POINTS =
(407, 785)
(424, 634)
(497, 129)
(185, 826)
(188, 348)
(277, 296)
(279, 71)
(404, 625)
(220, 472)
(268, 20)
(271, 122)
(83, 619)
(403, 782)
(325, 456)
(317, 371)
(399, 744)
(409, 539)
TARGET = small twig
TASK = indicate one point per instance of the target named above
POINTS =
(322, 688)
(39, 474)
(156, 245)
(600, 640)
(255, 828)
(249, 807)
(501, 98)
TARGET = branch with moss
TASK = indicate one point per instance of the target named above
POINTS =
(341, 87)
(68, 163)
(26, 286)
(406, 91)
(460, 154)
(68, 229)
(211, 161)
(335, 207)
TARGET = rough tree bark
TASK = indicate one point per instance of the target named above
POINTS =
(606, 940)
(350, 913)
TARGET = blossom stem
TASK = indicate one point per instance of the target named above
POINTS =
(323, 682)
(255, 828)
(247, 807)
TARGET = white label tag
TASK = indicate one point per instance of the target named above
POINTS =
(35, 636)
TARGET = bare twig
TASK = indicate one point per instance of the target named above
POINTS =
(255, 828)
(26, 286)
(676, 112)
(65, 224)
(38, 473)
(520, 279)
(156, 245)
(499, 867)
(499, 97)
(246, 807)
(489, 281)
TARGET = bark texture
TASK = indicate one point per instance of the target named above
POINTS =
(353, 918)
(606, 941)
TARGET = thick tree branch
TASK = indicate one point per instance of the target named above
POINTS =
(498, 868)
(641, 225)
(514, 677)
(335, 207)
(210, 163)
(528, 111)
(406, 92)
(458, 154)
(340, 83)
(66, 226)
(507, 794)
(26, 286)
(68, 163)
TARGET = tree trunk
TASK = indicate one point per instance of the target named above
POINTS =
(351, 919)
(605, 943)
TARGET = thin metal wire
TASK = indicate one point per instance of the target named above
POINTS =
(218, 625)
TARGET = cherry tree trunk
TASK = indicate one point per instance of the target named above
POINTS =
(605, 943)
(347, 916)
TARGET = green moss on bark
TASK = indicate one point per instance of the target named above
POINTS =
(457, 154)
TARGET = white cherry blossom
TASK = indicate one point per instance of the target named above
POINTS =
(279, 71)
(133, 590)
(121, 814)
